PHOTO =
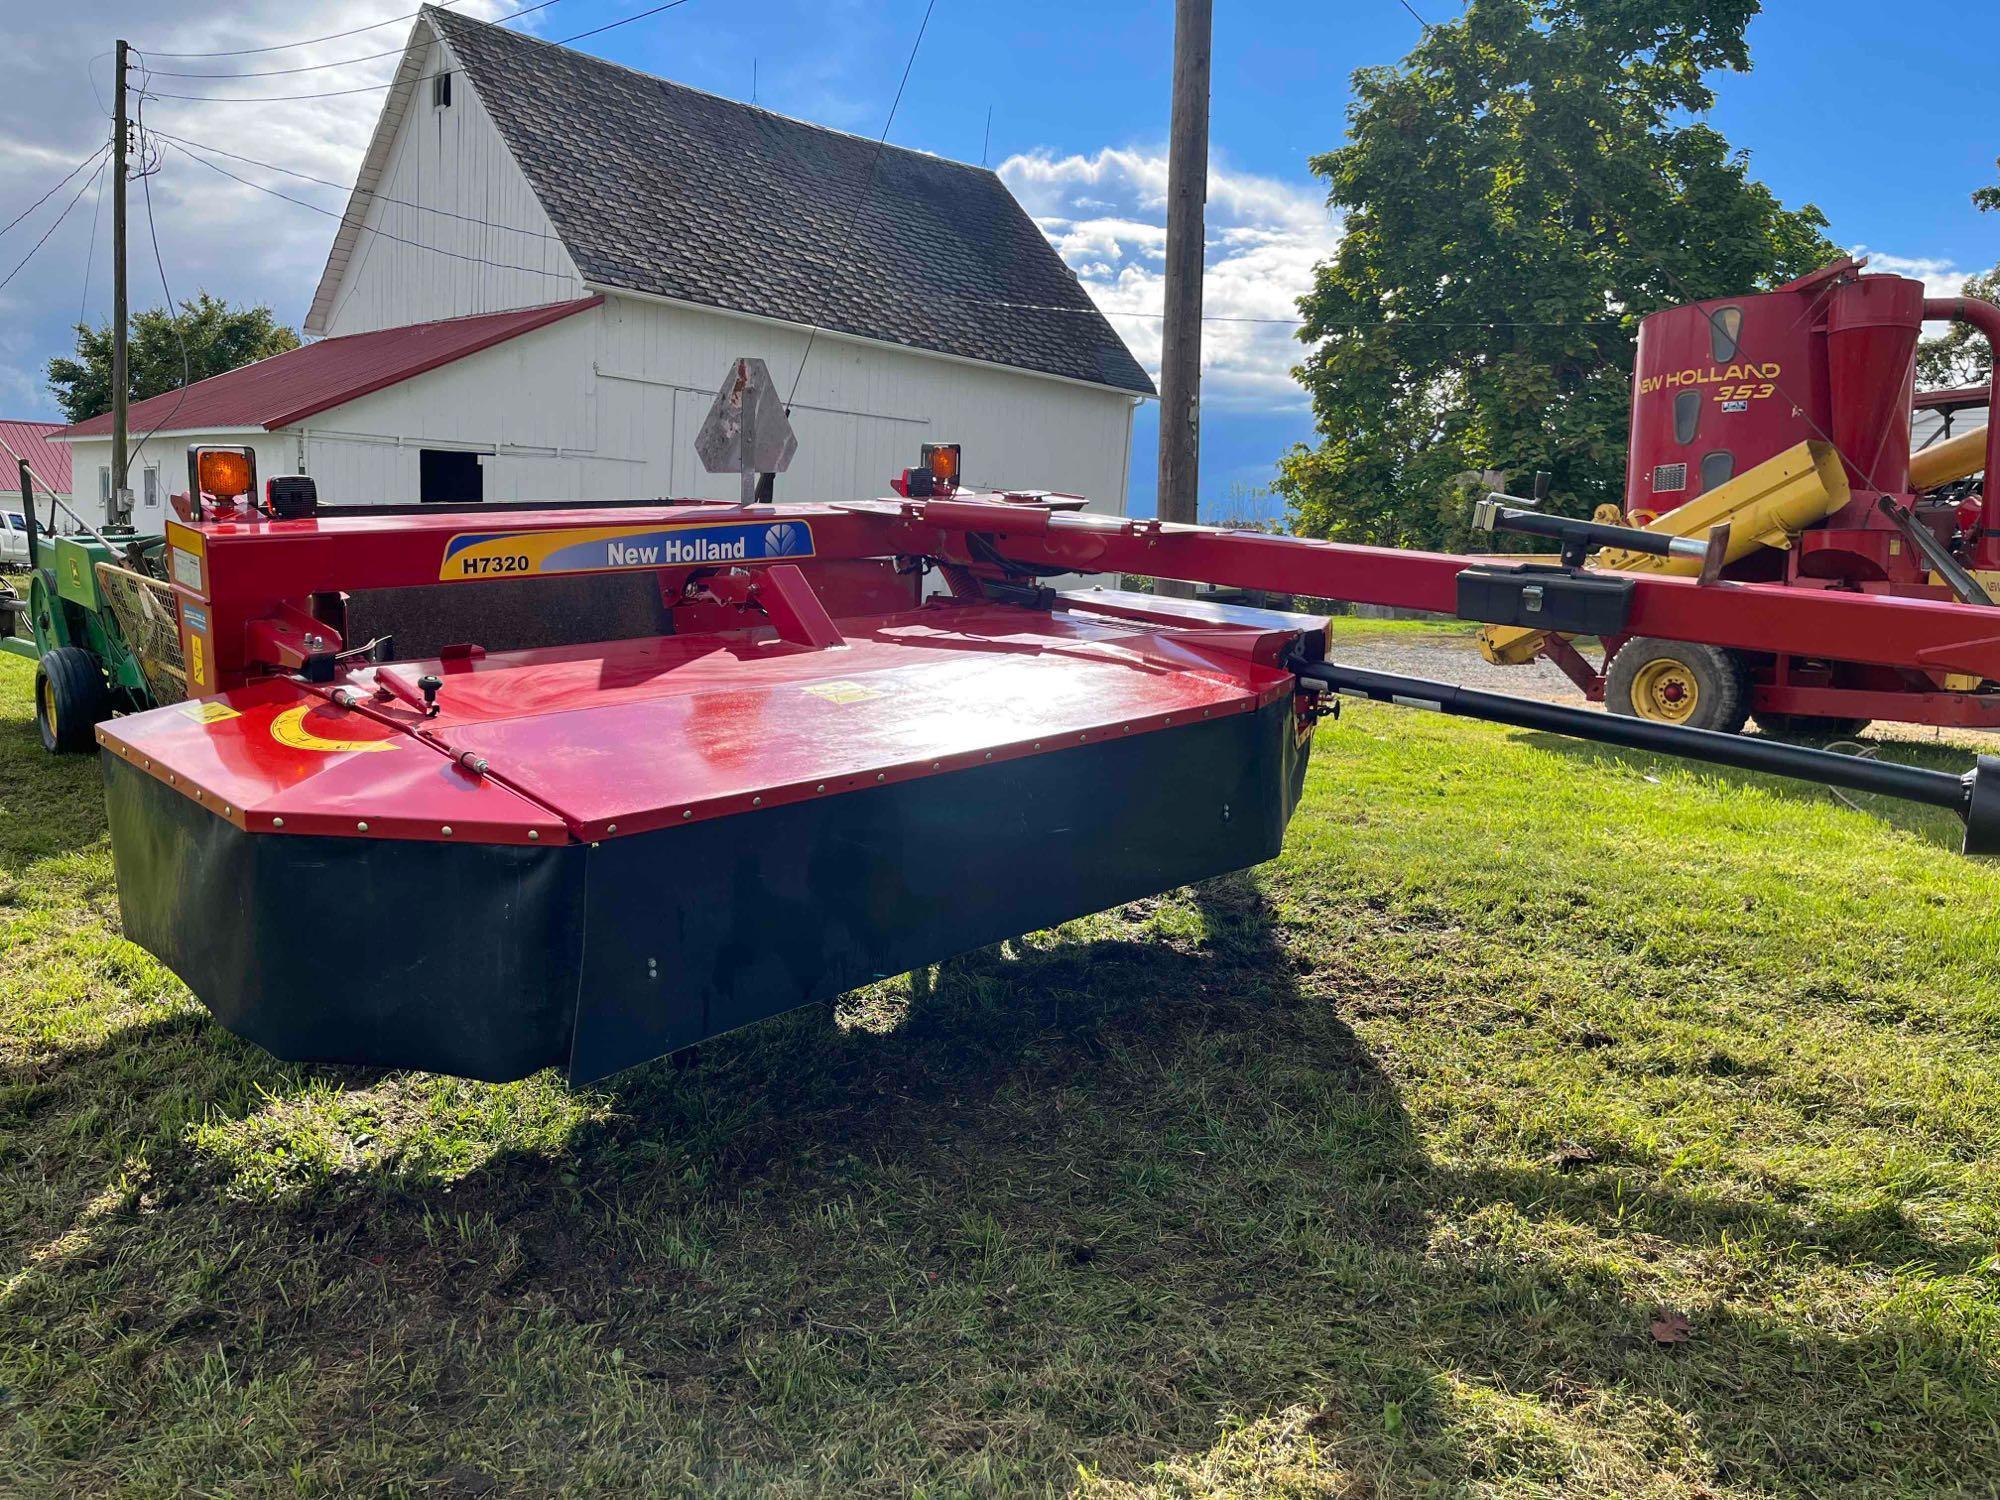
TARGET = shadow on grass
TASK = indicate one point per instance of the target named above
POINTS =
(1052, 1202)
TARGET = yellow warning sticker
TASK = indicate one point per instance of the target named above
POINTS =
(209, 713)
(197, 661)
(289, 728)
(843, 692)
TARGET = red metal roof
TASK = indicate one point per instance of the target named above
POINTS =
(289, 387)
(30, 440)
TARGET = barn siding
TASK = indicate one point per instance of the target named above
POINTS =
(491, 248)
(605, 405)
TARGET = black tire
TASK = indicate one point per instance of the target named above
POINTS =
(1813, 728)
(1648, 678)
(71, 699)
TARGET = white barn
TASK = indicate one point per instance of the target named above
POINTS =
(549, 260)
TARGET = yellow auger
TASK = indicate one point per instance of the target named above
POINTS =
(1767, 506)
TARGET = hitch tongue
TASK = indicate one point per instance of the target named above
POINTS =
(1974, 796)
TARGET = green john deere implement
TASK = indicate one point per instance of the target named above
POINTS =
(100, 623)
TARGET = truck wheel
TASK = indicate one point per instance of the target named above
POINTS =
(1817, 728)
(71, 699)
(1679, 683)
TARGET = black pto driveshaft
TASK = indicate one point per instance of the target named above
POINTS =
(1974, 796)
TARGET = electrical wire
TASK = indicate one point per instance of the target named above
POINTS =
(311, 41)
(90, 255)
(173, 312)
(67, 177)
(375, 197)
(345, 62)
(359, 226)
(376, 88)
(1407, 322)
(57, 224)
(868, 184)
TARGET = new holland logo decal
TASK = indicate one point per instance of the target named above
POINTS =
(609, 549)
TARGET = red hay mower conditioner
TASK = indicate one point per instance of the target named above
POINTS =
(632, 775)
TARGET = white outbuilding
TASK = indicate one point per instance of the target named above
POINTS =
(549, 261)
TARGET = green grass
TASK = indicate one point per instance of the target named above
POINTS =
(1366, 1174)
(1349, 628)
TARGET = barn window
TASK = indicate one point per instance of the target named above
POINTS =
(1687, 416)
(446, 476)
(1717, 469)
(152, 486)
(441, 91)
(1725, 327)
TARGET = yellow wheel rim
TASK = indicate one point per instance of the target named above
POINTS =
(1666, 691)
(46, 691)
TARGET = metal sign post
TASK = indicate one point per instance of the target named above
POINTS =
(747, 431)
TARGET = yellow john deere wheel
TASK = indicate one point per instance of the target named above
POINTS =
(45, 695)
(1666, 691)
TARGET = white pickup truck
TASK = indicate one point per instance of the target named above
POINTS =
(13, 539)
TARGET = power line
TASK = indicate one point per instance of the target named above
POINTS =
(87, 182)
(90, 255)
(868, 184)
(345, 62)
(376, 88)
(57, 188)
(564, 41)
(332, 36)
(1412, 323)
(344, 187)
(363, 228)
(173, 313)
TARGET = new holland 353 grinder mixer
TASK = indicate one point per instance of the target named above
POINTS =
(632, 775)
(1786, 416)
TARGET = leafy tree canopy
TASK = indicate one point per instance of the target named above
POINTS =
(219, 337)
(1530, 181)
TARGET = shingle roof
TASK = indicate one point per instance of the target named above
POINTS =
(292, 386)
(659, 188)
(47, 461)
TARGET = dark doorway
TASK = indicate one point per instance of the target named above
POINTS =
(448, 478)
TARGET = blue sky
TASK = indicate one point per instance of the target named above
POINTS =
(1843, 109)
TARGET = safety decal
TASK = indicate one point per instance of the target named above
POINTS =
(609, 549)
(210, 713)
(843, 692)
(289, 728)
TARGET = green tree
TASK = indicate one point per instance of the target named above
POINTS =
(1987, 197)
(1530, 181)
(218, 337)
(1961, 356)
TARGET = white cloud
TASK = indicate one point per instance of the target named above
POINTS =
(1941, 278)
(213, 233)
(1106, 214)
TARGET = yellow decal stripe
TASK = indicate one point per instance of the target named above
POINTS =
(289, 728)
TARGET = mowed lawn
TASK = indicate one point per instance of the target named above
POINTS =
(1544, 1122)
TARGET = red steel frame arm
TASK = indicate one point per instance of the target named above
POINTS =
(1888, 631)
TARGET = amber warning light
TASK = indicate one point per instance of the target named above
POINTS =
(936, 473)
(222, 475)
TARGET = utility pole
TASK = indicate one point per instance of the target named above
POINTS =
(1187, 198)
(120, 505)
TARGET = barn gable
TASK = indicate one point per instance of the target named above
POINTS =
(441, 222)
(636, 184)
